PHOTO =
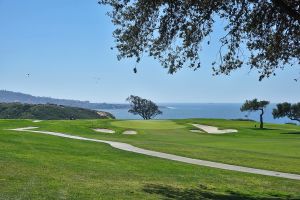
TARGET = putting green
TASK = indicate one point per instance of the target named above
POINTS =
(147, 124)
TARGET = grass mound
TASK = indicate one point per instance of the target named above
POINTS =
(147, 124)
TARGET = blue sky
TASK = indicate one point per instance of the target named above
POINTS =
(65, 47)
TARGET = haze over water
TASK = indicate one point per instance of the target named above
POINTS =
(204, 110)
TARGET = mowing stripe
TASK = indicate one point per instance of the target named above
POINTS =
(130, 148)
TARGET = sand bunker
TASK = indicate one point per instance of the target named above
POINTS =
(36, 121)
(103, 130)
(130, 132)
(214, 130)
(196, 131)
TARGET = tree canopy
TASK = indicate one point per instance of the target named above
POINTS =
(174, 32)
(255, 105)
(292, 111)
(143, 107)
(49, 112)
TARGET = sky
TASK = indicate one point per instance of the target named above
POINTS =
(64, 46)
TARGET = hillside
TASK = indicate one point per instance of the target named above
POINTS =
(13, 97)
(48, 112)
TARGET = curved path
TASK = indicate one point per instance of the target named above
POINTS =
(130, 148)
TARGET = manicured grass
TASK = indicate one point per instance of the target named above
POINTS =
(34, 166)
(147, 124)
(274, 148)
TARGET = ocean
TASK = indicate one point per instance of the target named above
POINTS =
(204, 110)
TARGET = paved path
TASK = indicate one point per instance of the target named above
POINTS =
(128, 147)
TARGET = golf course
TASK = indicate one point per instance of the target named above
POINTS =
(43, 166)
(150, 100)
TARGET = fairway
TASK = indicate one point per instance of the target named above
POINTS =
(130, 148)
(147, 124)
(35, 166)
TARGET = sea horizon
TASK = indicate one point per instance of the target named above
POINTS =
(204, 110)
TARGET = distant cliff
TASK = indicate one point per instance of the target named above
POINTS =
(13, 97)
(49, 112)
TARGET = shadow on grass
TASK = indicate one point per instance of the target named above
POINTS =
(202, 192)
(264, 129)
(291, 133)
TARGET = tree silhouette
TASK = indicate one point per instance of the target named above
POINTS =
(143, 107)
(174, 32)
(292, 111)
(255, 105)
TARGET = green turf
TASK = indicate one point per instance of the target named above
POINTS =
(147, 124)
(274, 148)
(34, 166)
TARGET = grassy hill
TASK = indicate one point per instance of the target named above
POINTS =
(35, 166)
(48, 111)
(18, 97)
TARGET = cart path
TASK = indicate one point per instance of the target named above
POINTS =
(130, 148)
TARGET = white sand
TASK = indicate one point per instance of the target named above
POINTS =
(36, 121)
(196, 131)
(131, 132)
(103, 130)
(130, 148)
(213, 129)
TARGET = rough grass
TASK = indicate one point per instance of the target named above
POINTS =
(35, 166)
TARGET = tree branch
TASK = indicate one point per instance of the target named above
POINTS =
(287, 9)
